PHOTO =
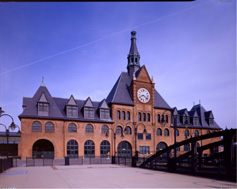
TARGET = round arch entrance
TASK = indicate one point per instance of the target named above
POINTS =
(124, 149)
(43, 149)
(161, 146)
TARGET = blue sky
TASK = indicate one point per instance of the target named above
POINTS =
(80, 48)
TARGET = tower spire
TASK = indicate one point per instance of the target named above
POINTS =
(133, 56)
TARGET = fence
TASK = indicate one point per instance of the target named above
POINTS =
(5, 164)
(39, 162)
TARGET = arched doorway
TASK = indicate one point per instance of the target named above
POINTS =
(104, 148)
(161, 146)
(43, 149)
(72, 149)
(89, 149)
(124, 149)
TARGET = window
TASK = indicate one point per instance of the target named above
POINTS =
(118, 114)
(36, 126)
(71, 111)
(104, 114)
(208, 132)
(196, 133)
(211, 121)
(43, 107)
(72, 127)
(158, 118)
(104, 148)
(186, 147)
(119, 130)
(89, 149)
(139, 116)
(166, 132)
(177, 132)
(143, 117)
(195, 121)
(49, 126)
(72, 149)
(88, 112)
(178, 149)
(186, 133)
(89, 128)
(159, 132)
(128, 115)
(140, 136)
(104, 129)
(144, 149)
(166, 118)
(128, 130)
(162, 118)
(148, 117)
(184, 119)
(123, 115)
(197, 144)
(148, 136)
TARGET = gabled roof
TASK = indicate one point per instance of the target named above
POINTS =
(183, 112)
(30, 104)
(202, 119)
(103, 104)
(209, 115)
(193, 113)
(89, 103)
(72, 101)
(120, 92)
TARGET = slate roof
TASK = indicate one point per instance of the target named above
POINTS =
(57, 108)
(202, 115)
(120, 93)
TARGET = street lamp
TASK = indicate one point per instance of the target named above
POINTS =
(114, 133)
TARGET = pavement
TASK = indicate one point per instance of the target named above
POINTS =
(102, 176)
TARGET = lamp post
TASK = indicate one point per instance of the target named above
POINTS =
(12, 126)
(175, 129)
(135, 134)
(114, 133)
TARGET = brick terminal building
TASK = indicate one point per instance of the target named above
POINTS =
(133, 118)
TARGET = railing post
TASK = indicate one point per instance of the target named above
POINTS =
(194, 157)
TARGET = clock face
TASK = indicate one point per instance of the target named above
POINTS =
(143, 95)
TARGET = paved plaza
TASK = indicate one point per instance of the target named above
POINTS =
(102, 176)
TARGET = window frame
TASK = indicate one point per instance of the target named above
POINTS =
(49, 127)
(89, 128)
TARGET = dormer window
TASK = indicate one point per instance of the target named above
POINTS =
(211, 121)
(88, 112)
(195, 121)
(72, 111)
(104, 114)
(43, 109)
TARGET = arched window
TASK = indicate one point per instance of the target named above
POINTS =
(49, 126)
(186, 133)
(128, 130)
(158, 118)
(89, 128)
(119, 130)
(166, 118)
(89, 149)
(161, 146)
(118, 114)
(72, 127)
(186, 147)
(104, 148)
(162, 118)
(128, 115)
(36, 126)
(143, 117)
(196, 133)
(139, 116)
(123, 115)
(159, 132)
(166, 132)
(148, 117)
(104, 129)
(72, 149)
(177, 132)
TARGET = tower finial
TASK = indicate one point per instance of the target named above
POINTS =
(43, 85)
(133, 56)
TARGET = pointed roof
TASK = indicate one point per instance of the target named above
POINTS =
(133, 48)
(89, 103)
(71, 101)
(183, 112)
(31, 104)
(103, 104)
